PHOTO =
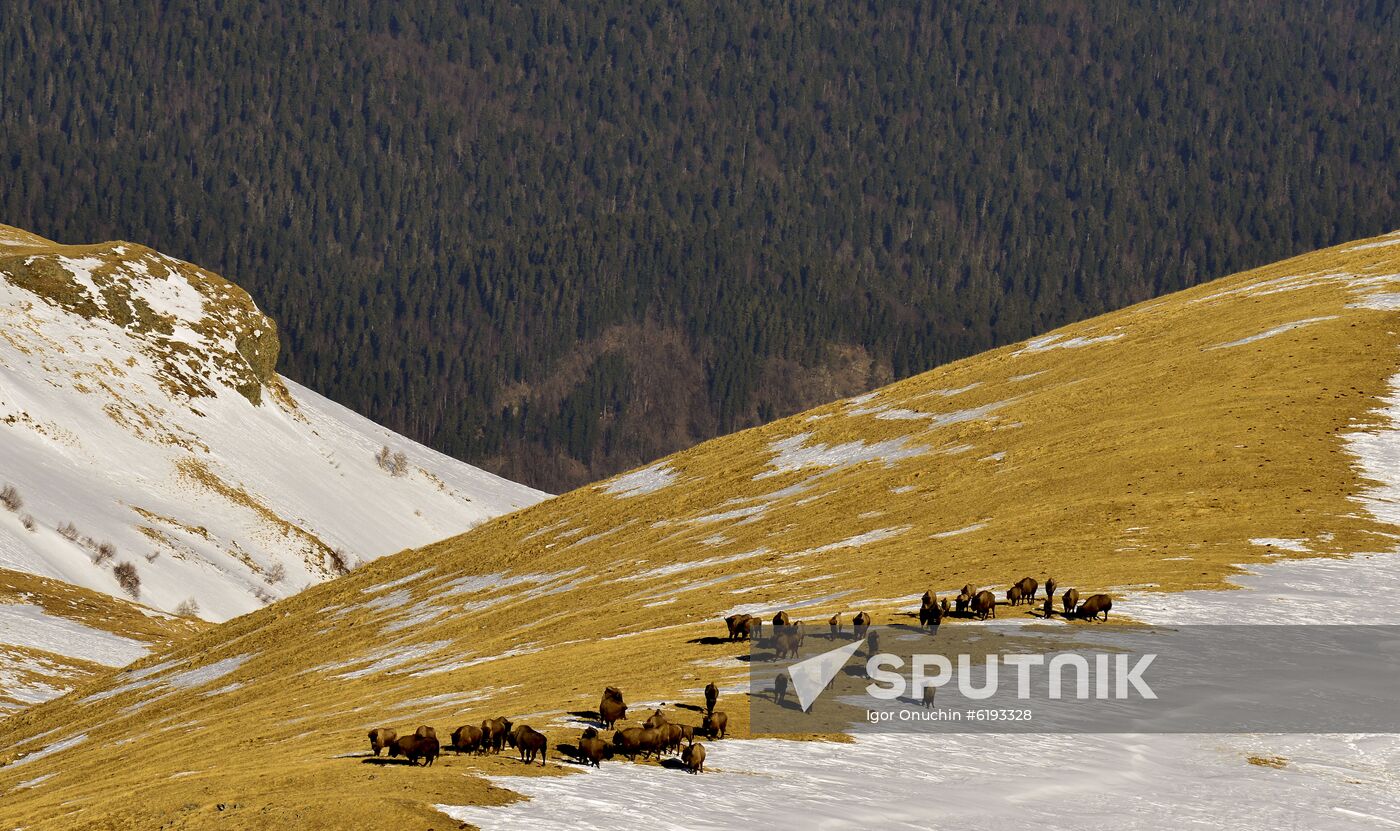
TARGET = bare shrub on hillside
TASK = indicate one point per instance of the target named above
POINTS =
(28, 522)
(275, 574)
(342, 561)
(263, 595)
(127, 578)
(68, 531)
(102, 552)
(10, 498)
(151, 557)
(395, 463)
(188, 608)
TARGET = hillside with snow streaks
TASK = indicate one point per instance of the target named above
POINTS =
(1241, 433)
(148, 450)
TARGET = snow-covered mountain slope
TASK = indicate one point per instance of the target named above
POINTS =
(1249, 424)
(149, 451)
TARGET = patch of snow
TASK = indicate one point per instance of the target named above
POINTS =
(642, 481)
(402, 581)
(56, 747)
(690, 565)
(1391, 239)
(1277, 330)
(1045, 343)
(866, 538)
(28, 625)
(200, 676)
(793, 453)
(1285, 544)
(966, 529)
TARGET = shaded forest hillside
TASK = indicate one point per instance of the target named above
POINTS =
(559, 240)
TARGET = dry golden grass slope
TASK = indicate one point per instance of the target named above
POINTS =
(1140, 450)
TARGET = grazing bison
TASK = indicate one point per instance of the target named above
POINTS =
(1096, 604)
(782, 619)
(969, 590)
(693, 757)
(1049, 609)
(984, 605)
(963, 600)
(711, 696)
(414, 748)
(785, 645)
(468, 739)
(1070, 600)
(740, 626)
(656, 719)
(633, 740)
(611, 709)
(715, 724)
(1013, 595)
(425, 732)
(592, 749)
(1029, 586)
(835, 626)
(860, 623)
(1050, 587)
(380, 737)
(780, 688)
(530, 742)
(495, 730)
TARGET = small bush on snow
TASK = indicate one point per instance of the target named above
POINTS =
(275, 574)
(68, 531)
(341, 561)
(188, 608)
(127, 578)
(10, 498)
(28, 522)
(103, 552)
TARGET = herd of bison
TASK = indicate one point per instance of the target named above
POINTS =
(658, 736)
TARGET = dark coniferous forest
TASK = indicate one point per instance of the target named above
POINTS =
(558, 240)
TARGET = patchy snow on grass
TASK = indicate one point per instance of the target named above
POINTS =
(200, 676)
(1277, 330)
(394, 584)
(56, 747)
(28, 625)
(690, 565)
(854, 541)
(642, 481)
(792, 454)
(1045, 343)
(386, 658)
(1391, 239)
(966, 529)
(1299, 546)
(1380, 301)
(764, 608)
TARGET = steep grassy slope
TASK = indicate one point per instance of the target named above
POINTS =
(1147, 451)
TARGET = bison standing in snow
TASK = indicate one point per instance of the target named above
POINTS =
(1096, 604)
(693, 757)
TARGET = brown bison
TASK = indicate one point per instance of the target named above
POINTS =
(656, 719)
(711, 696)
(984, 605)
(740, 626)
(834, 624)
(1013, 596)
(943, 605)
(930, 614)
(592, 749)
(962, 601)
(860, 623)
(1097, 604)
(468, 739)
(693, 758)
(969, 590)
(425, 732)
(1029, 586)
(782, 619)
(715, 724)
(414, 748)
(380, 737)
(611, 709)
(633, 740)
(687, 732)
(530, 742)
(1070, 601)
(1049, 610)
(929, 597)
(671, 736)
(495, 730)
(785, 645)
(928, 695)
(780, 688)
(1050, 587)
